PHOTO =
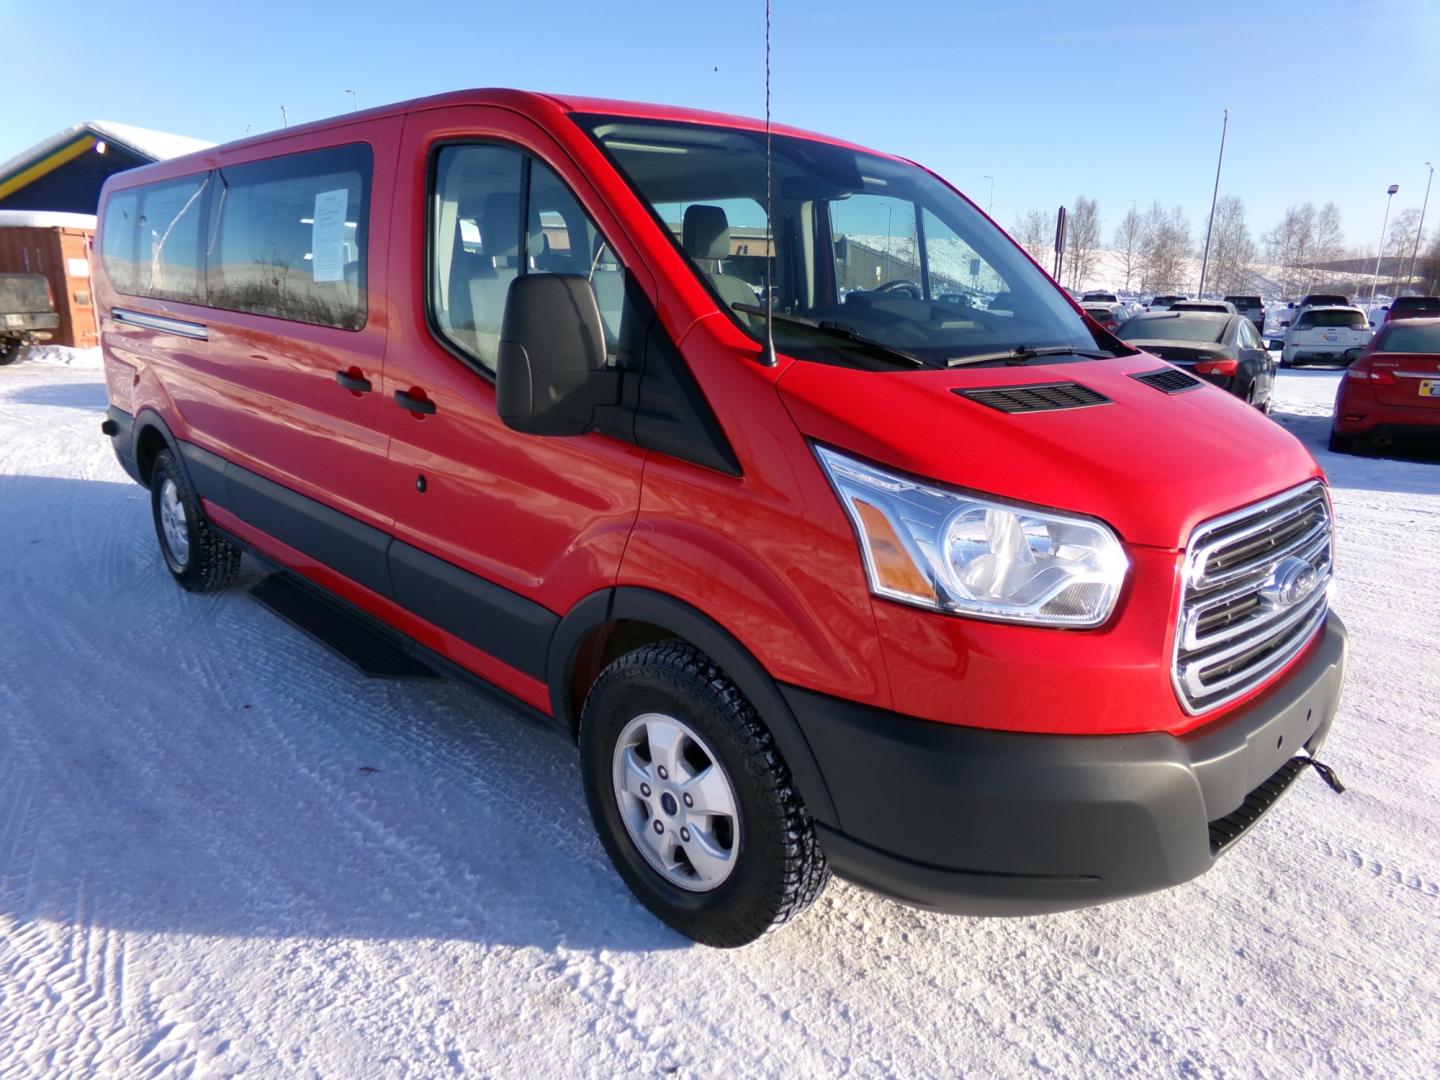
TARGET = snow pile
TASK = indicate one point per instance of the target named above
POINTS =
(223, 852)
(61, 356)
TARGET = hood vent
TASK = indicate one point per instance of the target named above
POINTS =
(1036, 397)
(1168, 380)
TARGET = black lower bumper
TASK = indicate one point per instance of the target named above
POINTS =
(997, 823)
(120, 426)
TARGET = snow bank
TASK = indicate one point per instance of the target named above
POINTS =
(62, 356)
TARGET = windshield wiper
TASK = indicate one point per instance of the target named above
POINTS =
(835, 330)
(1022, 354)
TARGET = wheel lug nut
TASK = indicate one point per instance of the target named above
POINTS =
(663, 774)
(688, 800)
(645, 790)
(659, 826)
(685, 835)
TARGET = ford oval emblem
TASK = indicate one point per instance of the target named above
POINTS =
(1290, 582)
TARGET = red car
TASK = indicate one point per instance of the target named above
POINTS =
(1391, 392)
(977, 606)
(1413, 307)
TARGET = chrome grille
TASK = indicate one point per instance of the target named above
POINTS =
(1237, 627)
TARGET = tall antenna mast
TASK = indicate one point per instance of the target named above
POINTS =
(767, 355)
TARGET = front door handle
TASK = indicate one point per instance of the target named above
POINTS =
(355, 383)
(414, 404)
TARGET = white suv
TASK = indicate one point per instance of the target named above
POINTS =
(1325, 333)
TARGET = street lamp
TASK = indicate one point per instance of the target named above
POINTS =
(1214, 197)
(989, 206)
(354, 101)
(1384, 224)
(1415, 253)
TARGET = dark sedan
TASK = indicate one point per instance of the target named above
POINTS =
(1220, 348)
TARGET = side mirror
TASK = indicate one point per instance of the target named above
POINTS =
(1351, 355)
(551, 371)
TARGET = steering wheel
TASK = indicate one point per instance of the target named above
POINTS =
(898, 285)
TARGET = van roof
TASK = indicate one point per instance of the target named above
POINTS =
(528, 102)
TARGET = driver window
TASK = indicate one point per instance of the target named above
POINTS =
(875, 245)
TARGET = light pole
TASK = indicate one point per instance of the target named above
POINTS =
(1384, 224)
(989, 206)
(354, 101)
(1415, 252)
(1214, 196)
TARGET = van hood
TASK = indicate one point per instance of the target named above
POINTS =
(1152, 465)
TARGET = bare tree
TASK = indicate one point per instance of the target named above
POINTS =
(1127, 242)
(1165, 247)
(1290, 247)
(1329, 241)
(1082, 238)
(1232, 250)
(1035, 232)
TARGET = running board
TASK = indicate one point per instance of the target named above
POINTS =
(372, 648)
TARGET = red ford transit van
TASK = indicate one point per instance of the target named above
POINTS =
(968, 602)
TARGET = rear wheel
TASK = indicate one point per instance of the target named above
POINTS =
(1341, 444)
(692, 801)
(198, 558)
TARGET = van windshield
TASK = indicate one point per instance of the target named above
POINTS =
(876, 249)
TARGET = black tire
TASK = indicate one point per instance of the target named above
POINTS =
(1340, 444)
(211, 562)
(780, 869)
(10, 350)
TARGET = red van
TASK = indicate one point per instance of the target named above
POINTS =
(974, 605)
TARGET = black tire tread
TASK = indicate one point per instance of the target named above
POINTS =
(214, 560)
(692, 674)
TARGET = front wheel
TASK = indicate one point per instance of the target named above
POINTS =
(692, 801)
(199, 558)
(9, 350)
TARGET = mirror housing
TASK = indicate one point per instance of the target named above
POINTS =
(1351, 355)
(551, 371)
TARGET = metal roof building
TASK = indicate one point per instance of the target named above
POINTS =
(65, 171)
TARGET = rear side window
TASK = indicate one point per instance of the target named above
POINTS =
(1428, 304)
(288, 237)
(151, 240)
(1344, 320)
(117, 239)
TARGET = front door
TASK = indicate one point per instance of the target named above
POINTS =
(497, 533)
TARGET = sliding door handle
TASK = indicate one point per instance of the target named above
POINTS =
(420, 404)
(356, 383)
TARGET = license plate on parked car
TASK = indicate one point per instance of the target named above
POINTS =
(14, 320)
(1429, 387)
(1332, 337)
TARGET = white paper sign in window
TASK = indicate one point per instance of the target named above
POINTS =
(327, 235)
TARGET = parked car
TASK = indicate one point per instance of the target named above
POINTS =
(1310, 301)
(1413, 307)
(27, 313)
(1324, 333)
(1252, 307)
(1099, 296)
(1224, 349)
(1108, 316)
(804, 608)
(1162, 302)
(1391, 390)
(1217, 307)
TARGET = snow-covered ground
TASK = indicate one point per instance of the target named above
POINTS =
(222, 851)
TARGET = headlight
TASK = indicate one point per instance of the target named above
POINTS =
(961, 553)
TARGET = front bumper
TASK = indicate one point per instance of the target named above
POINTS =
(982, 822)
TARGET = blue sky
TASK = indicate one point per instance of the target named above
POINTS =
(1117, 101)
